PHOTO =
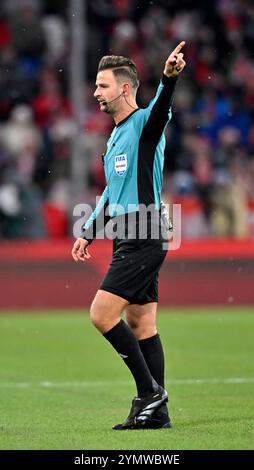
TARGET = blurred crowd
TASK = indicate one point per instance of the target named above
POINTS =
(209, 158)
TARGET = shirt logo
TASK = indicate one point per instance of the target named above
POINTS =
(121, 164)
(123, 356)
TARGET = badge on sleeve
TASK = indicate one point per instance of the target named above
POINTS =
(121, 164)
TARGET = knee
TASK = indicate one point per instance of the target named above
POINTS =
(132, 322)
(101, 317)
(105, 311)
(141, 328)
(136, 326)
(95, 316)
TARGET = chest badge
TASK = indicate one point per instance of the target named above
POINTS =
(121, 164)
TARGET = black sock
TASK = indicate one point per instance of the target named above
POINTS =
(154, 356)
(126, 344)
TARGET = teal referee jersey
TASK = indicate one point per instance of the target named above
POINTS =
(134, 160)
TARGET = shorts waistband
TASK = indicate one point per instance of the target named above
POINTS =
(137, 216)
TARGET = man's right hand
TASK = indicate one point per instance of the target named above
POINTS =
(80, 251)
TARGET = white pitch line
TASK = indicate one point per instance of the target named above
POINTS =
(48, 384)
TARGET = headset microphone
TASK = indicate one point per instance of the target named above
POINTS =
(108, 102)
(122, 94)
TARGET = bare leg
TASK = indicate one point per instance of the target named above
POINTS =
(142, 319)
(106, 309)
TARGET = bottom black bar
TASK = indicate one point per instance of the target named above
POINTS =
(112, 458)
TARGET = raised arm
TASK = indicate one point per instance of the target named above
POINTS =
(160, 106)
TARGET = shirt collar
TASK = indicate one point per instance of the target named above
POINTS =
(127, 117)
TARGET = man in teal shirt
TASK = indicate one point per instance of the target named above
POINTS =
(133, 164)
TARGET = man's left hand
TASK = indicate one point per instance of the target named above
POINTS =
(175, 63)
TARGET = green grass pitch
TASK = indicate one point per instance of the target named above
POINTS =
(62, 386)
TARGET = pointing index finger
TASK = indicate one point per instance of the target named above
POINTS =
(179, 47)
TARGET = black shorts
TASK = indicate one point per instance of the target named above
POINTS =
(134, 270)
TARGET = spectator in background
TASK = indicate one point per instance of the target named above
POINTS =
(229, 204)
(22, 141)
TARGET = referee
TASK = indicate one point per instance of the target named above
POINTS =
(133, 165)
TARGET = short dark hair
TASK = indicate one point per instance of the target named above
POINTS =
(122, 68)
